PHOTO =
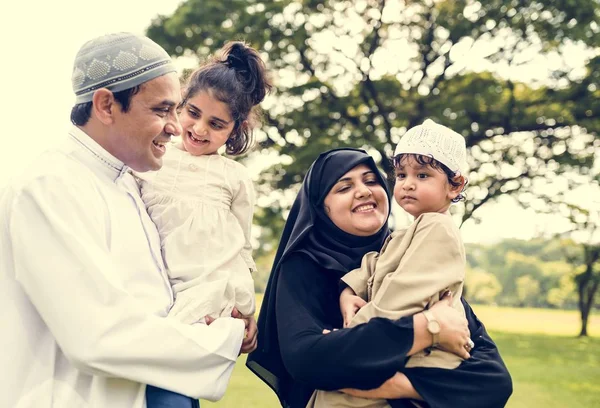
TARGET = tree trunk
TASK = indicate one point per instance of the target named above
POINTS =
(585, 313)
(587, 288)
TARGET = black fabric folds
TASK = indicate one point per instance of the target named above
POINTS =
(329, 246)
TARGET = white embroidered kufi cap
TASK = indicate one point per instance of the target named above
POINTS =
(437, 141)
(117, 62)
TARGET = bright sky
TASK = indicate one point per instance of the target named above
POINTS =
(39, 40)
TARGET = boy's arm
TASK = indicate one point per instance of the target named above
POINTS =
(358, 278)
(433, 262)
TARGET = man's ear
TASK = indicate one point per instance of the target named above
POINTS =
(104, 106)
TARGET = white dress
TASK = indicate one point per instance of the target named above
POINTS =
(203, 207)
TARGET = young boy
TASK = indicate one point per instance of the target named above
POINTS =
(417, 264)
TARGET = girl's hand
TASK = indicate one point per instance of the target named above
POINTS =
(249, 343)
(250, 336)
(396, 387)
(350, 304)
(454, 335)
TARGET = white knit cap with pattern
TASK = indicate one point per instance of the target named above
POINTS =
(117, 62)
(437, 141)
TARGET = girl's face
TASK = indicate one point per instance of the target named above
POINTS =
(357, 203)
(421, 189)
(206, 123)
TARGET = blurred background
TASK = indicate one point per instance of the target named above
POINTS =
(520, 80)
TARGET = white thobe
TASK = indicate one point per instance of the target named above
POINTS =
(84, 293)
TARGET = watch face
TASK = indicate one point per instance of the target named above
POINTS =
(433, 327)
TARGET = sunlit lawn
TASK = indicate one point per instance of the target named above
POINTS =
(551, 368)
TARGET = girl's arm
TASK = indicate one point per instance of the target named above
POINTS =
(362, 357)
(242, 207)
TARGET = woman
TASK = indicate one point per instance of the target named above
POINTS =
(301, 301)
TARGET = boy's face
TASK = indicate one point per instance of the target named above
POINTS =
(421, 188)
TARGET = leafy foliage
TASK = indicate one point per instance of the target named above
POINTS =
(522, 273)
(359, 73)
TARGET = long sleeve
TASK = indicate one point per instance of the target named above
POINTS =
(242, 207)
(362, 357)
(409, 276)
(63, 264)
(481, 381)
(358, 278)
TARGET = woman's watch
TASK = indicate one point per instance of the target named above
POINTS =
(433, 327)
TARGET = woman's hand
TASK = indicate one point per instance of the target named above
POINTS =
(350, 304)
(396, 387)
(454, 335)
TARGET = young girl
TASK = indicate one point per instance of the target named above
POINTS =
(202, 202)
(418, 264)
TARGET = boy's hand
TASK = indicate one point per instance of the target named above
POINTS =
(350, 304)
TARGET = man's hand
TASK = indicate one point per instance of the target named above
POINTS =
(396, 387)
(350, 304)
(250, 337)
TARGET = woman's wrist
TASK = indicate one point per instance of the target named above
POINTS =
(421, 338)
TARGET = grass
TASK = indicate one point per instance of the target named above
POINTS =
(551, 371)
(550, 367)
(535, 321)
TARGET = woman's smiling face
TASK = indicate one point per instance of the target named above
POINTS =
(357, 202)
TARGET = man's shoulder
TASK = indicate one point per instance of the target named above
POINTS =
(57, 170)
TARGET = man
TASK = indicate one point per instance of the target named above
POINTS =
(83, 290)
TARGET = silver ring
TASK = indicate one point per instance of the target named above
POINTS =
(469, 346)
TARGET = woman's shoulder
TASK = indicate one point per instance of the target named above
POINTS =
(300, 263)
(298, 258)
(300, 274)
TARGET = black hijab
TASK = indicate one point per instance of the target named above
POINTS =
(309, 230)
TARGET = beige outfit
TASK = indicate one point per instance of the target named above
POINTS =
(203, 207)
(414, 268)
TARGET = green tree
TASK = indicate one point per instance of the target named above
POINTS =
(582, 249)
(565, 293)
(528, 290)
(529, 273)
(359, 73)
(585, 259)
(481, 286)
